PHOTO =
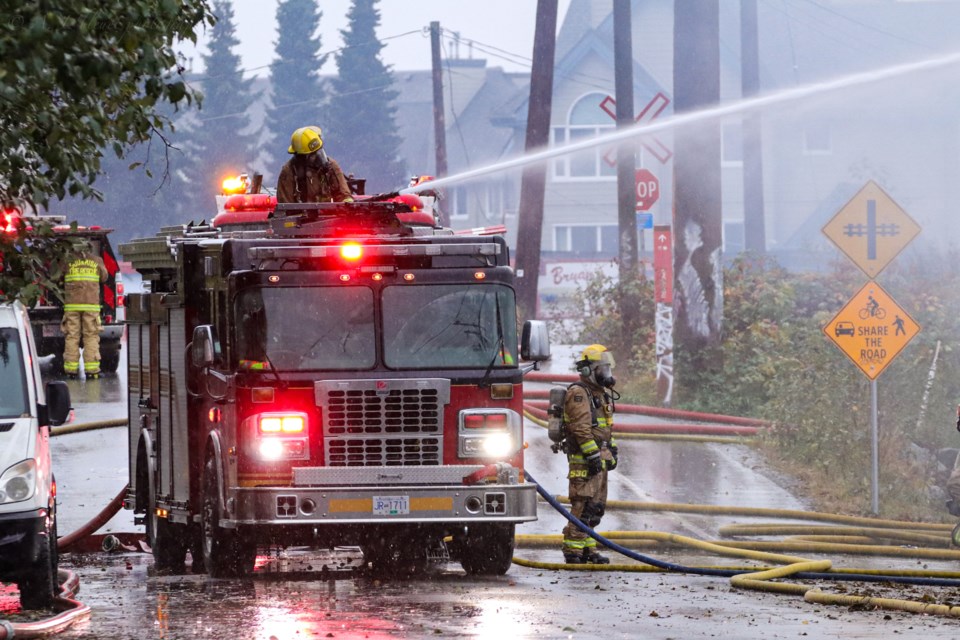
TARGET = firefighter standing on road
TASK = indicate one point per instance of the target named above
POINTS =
(588, 413)
(81, 313)
(310, 175)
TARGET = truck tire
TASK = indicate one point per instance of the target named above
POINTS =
(226, 553)
(39, 588)
(485, 549)
(110, 362)
(166, 540)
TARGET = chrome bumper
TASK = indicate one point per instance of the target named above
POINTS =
(305, 503)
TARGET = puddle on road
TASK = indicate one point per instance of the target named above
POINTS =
(283, 600)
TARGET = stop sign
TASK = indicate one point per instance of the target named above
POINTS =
(648, 189)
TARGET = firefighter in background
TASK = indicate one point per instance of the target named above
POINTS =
(592, 452)
(81, 312)
(310, 175)
(953, 482)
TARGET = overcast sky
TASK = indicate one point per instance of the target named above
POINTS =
(506, 25)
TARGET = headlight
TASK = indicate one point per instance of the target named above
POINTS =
(19, 482)
(492, 434)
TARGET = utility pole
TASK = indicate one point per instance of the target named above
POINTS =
(533, 183)
(626, 165)
(754, 229)
(439, 125)
(698, 275)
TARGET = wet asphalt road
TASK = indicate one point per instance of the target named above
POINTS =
(290, 598)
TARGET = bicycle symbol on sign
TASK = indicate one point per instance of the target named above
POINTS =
(873, 310)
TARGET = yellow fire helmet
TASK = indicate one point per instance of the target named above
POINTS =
(305, 140)
(597, 353)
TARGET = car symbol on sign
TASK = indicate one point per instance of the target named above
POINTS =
(844, 329)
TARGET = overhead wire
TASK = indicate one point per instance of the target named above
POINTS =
(870, 26)
(318, 57)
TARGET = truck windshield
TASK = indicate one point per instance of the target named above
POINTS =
(13, 380)
(449, 326)
(313, 328)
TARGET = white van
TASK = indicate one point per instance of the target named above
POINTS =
(28, 510)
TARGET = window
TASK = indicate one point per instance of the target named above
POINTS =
(13, 378)
(733, 238)
(338, 333)
(494, 209)
(458, 202)
(585, 238)
(731, 144)
(449, 325)
(817, 139)
(586, 120)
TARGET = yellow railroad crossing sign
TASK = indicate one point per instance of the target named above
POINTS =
(871, 329)
(871, 229)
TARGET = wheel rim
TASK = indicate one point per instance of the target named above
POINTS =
(207, 526)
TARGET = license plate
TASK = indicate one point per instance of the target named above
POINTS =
(391, 505)
(51, 330)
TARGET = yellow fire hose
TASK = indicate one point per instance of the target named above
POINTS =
(761, 578)
(846, 540)
(87, 426)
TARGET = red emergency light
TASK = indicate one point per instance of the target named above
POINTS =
(262, 202)
(351, 251)
(282, 423)
(10, 219)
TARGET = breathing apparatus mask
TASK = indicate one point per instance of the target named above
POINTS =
(598, 370)
(603, 375)
(317, 159)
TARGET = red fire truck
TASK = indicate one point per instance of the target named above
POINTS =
(333, 374)
(47, 314)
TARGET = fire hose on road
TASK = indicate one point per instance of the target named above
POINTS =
(759, 578)
(69, 611)
(850, 539)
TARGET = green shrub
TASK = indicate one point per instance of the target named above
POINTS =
(775, 362)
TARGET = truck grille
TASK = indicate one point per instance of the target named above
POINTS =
(375, 452)
(383, 422)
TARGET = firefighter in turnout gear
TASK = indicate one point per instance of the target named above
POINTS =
(310, 175)
(591, 452)
(81, 313)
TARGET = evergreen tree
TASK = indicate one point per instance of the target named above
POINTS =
(294, 76)
(360, 131)
(134, 203)
(217, 143)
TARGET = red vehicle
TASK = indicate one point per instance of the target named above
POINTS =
(325, 375)
(47, 314)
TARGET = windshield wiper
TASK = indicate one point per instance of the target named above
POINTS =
(498, 347)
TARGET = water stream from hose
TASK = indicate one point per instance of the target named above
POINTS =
(675, 121)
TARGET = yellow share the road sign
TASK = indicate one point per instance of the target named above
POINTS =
(871, 329)
(871, 229)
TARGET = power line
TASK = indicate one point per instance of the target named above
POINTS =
(869, 26)
(298, 103)
(316, 57)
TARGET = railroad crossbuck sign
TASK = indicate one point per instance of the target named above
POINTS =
(871, 229)
(871, 329)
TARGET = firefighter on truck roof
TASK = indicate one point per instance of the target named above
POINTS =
(588, 413)
(310, 175)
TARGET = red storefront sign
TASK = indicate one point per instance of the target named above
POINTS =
(663, 264)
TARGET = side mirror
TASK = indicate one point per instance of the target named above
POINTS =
(205, 348)
(58, 402)
(535, 341)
